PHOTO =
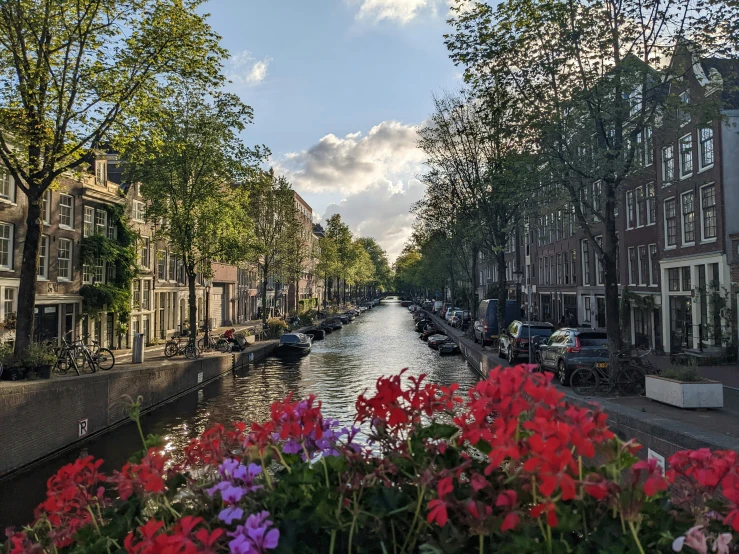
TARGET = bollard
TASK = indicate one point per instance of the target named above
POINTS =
(137, 356)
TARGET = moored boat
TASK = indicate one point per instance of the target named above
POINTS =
(294, 344)
(316, 333)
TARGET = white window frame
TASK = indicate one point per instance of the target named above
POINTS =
(630, 209)
(651, 201)
(702, 166)
(598, 264)
(685, 241)
(652, 261)
(88, 231)
(43, 258)
(145, 245)
(46, 208)
(671, 159)
(683, 173)
(101, 228)
(7, 178)
(137, 213)
(631, 249)
(67, 276)
(63, 208)
(637, 192)
(86, 273)
(11, 244)
(13, 301)
(642, 264)
(677, 216)
(584, 249)
(648, 146)
(684, 99)
(705, 240)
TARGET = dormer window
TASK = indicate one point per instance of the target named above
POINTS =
(101, 172)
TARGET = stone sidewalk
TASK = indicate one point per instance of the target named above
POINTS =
(663, 429)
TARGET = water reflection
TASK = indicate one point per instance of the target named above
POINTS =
(346, 363)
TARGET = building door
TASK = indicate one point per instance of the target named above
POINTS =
(46, 323)
(68, 329)
(681, 323)
(216, 306)
(145, 330)
(546, 307)
(601, 313)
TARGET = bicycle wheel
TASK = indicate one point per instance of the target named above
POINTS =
(87, 360)
(170, 349)
(192, 352)
(223, 345)
(584, 381)
(105, 359)
(630, 380)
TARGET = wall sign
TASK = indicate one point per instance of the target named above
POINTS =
(651, 454)
(83, 427)
(200, 377)
(251, 356)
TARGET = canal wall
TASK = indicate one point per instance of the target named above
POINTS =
(40, 418)
(659, 434)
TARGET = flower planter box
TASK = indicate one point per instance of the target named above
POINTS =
(702, 394)
(251, 339)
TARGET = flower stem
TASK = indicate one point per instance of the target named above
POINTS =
(266, 474)
(325, 472)
(282, 460)
(333, 542)
(636, 537)
(421, 494)
(482, 544)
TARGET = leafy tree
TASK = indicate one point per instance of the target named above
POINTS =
(192, 165)
(382, 273)
(69, 70)
(583, 76)
(338, 232)
(407, 267)
(295, 252)
(362, 270)
(327, 268)
(272, 211)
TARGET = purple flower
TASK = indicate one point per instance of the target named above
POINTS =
(233, 495)
(227, 515)
(255, 536)
(291, 447)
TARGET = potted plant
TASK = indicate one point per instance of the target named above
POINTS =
(276, 326)
(684, 387)
(40, 358)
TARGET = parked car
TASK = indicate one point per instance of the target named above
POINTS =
(437, 306)
(450, 312)
(569, 349)
(514, 341)
(486, 323)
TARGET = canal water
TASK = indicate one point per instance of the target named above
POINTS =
(381, 341)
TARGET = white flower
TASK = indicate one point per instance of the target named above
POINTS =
(677, 544)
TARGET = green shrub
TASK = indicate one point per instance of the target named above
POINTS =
(276, 326)
(687, 374)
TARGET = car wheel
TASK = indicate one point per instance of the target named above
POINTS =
(562, 373)
(511, 357)
(500, 352)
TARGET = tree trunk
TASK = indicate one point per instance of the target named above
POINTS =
(502, 290)
(193, 302)
(610, 249)
(264, 297)
(28, 276)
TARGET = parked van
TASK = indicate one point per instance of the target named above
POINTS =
(486, 324)
(437, 306)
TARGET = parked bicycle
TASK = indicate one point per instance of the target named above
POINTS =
(182, 345)
(628, 378)
(215, 342)
(102, 357)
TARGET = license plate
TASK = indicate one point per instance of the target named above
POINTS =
(601, 365)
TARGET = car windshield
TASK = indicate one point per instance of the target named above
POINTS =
(536, 331)
(593, 339)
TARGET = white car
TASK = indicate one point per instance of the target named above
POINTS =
(450, 313)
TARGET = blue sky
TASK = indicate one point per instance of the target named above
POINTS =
(338, 87)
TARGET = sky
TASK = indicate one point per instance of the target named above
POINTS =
(339, 88)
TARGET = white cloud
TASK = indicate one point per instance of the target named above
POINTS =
(403, 11)
(370, 179)
(245, 69)
(352, 163)
(381, 211)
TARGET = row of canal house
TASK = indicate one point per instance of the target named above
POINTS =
(83, 206)
(678, 229)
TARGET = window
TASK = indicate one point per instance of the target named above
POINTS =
(641, 204)
(573, 261)
(145, 246)
(566, 267)
(110, 272)
(705, 147)
(46, 207)
(136, 294)
(6, 246)
(162, 266)
(630, 209)
(101, 222)
(98, 271)
(43, 258)
(101, 172)
(112, 229)
(653, 264)
(651, 205)
(138, 210)
(673, 279)
(86, 274)
(648, 147)
(597, 195)
(643, 266)
(632, 266)
(585, 263)
(671, 222)
(639, 151)
(9, 302)
(145, 294)
(559, 269)
(683, 115)
(172, 267)
(87, 230)
(708, 211)
(668, 165)
(66, 211)
(686, 278)
(65, 260)
(686, 156)
(546, 271)
(599, 267)
(588, 312)
(7, 185)
(688, 218)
